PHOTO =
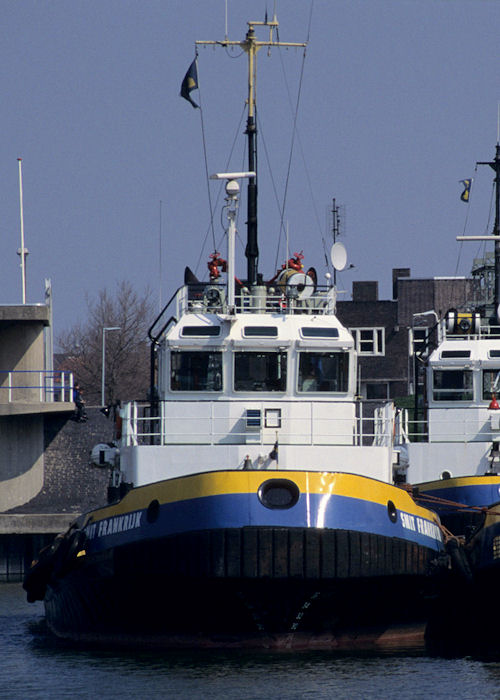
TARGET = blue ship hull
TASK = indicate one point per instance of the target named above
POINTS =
(248, 559)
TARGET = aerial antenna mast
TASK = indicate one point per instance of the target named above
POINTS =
(251, 45)
(495, 165)
(495, 234)
(338, 253)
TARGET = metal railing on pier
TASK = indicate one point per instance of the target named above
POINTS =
(29, 386)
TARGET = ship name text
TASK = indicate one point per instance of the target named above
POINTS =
(416, 524)
(110, 526)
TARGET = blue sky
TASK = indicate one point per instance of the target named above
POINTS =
(399, 99)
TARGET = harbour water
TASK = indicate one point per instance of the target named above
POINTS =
(35, 665)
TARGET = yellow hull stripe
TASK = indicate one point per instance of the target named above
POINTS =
(459, 481)
(228, 482)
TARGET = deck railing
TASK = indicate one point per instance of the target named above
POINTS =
(179, 426)
(485, 331)
(33, 386)
(459, 428)
(265, 300)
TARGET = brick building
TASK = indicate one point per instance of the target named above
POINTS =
(386, 332)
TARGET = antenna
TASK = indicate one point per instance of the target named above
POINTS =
(338, 253)
(232, 193)
(160, 273)
(495, 235)
(287, 245)
(251, 46)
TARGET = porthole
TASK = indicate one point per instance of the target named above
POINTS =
(392, 512)
(278, 494)
(446, 475)
(153, 511)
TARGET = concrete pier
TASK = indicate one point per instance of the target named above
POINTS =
(71, 485)
(45, 476)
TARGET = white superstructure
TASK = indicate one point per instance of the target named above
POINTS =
(270, 385)
(462, 421)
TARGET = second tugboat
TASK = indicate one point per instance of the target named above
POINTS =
(252, 509)
(452, 448)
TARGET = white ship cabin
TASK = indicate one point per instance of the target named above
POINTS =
(461, 433)
(268, 383)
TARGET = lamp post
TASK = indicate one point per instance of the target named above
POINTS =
(103, 376)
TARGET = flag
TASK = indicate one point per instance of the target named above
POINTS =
(190, 83)
(466, 193)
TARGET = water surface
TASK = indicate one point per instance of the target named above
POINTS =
(35, 665)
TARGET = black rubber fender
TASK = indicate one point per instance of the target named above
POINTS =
(459, 561)
(73, 542)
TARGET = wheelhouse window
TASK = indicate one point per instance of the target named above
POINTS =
(323, 371)
(452, 385)
(316, 332)
(195, 371)
(369, 341)
(200, 331)
(491, 383)
(457, 354)
(260, 331)
(260, 371)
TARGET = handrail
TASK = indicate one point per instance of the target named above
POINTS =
(140, 427)
(212, 298)
(152, 338)
(463, 429)
(49, 386)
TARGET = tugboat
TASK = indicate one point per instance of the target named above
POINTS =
(466, 368)
(452, 454)
(247, 507)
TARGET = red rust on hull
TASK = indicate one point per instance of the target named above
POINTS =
(396, 638)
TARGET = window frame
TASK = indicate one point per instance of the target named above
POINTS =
(490, 391)
(312, 357)
(373, 386)
(172, 369)
(377, 340)
(264, 389)
(454, 392)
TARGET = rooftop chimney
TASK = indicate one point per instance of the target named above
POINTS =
(398, 272)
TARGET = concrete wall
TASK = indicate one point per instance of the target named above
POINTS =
(22, 348)
(21, 459)
(25, 409)
(70, 483)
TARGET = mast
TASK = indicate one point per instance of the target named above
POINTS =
(495, 165)
(335, 233)
(251, 45)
